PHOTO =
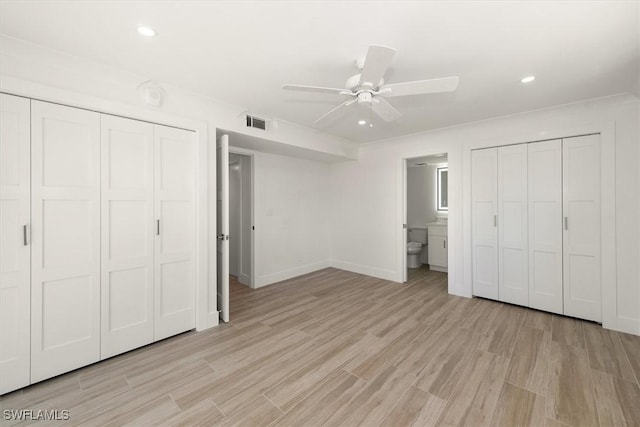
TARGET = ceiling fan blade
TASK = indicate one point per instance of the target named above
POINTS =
(381, 107)
(316, 89)
(376, 63)
(333, 114)
(420, 87)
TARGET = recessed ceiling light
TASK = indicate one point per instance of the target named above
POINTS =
(528, 79)
(370, 125)
(362, 122)
(147, 31)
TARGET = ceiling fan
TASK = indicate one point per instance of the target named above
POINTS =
(367, 87)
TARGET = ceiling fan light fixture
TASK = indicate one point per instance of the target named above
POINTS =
(528, 79)
(146, 31)
(363, 89)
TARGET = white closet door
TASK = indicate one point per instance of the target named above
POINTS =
(14, 243)
(545, 225)
(127, 234)
(581, 161)
(174, 276)
(513, 253)
(65, 283)
(484, 189)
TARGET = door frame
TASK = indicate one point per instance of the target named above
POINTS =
(403, 215)
(252, 181)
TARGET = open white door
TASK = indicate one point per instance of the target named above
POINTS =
(222, 228)
(403, 250)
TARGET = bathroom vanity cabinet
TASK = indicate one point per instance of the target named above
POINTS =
(437, 238)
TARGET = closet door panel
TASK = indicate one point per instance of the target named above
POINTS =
(65, 286)
(545, 225)
(484, 190)
(582, 288)
(14, 244)
(127, 234)
(513, 276)
(174, 248)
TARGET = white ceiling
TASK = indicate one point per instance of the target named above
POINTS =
(242, 52)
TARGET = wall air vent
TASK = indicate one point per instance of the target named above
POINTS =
(256, 122)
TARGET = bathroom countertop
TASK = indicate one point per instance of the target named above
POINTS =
(437, 224)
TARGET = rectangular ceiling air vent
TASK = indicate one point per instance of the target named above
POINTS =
(256, 122)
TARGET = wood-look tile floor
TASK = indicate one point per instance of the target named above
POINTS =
(337, 348)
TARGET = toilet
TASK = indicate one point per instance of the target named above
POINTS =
(417, 241)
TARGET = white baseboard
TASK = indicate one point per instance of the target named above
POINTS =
(288, 274)
(626, 325)
(245, 279)
(393, 276)
(210, 322)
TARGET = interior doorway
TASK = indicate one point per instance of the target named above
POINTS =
(426, 214)
(241, 219)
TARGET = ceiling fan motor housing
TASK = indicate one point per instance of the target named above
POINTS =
(364, 98)
(353, 83)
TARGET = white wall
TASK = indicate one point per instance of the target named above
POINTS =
(359, 202)
(367, 223)
(292, 205)
(32, 71)
(291, 215)
(421, 198)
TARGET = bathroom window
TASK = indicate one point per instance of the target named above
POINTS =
(443, 203)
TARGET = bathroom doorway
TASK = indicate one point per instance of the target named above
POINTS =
(426, 214)
(241, 268)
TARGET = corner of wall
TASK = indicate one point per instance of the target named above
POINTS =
(279, 276)
(393, 276)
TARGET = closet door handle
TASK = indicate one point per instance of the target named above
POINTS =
(495, 220)
(157, 227)
(444, 244)
(566, 223)
(25, 235)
